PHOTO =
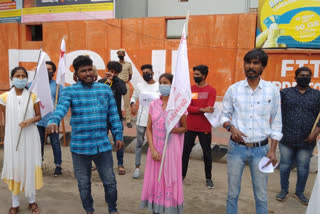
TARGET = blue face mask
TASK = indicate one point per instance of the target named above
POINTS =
(164, 89)
(19, 83)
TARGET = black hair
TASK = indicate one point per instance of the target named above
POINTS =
(167, 76)
(17, 69)
(81, 61)
(202, 68)
(257, 53)
(54, 68)
(114, 65)
(303, 69)
(147, 66)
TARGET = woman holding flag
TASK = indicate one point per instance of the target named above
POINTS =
(22, 163)
(165, 196)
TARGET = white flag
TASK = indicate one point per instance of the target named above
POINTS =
(62, 69)
(40, 86)
(180, 94)
(314, 205)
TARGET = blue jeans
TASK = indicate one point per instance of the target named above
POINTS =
(141, 131)
(302, 158)
(55, 143)
(238, 155)
(82, 165)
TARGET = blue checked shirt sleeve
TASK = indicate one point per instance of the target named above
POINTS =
(113, 117)
(276, 119)
(227, 107)
(62, 107)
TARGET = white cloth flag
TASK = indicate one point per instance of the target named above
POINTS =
(314, 205)
(62, 69)
(40, 86)
(180, 94)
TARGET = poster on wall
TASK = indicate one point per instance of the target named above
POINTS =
(67, 10)
(10, 11)
(42, 3)
(288, 24)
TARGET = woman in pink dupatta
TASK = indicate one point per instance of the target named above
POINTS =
(165, 196)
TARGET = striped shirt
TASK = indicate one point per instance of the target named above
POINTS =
(256, 113)
(91, 108)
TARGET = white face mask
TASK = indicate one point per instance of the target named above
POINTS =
(19, 83)
(164, 89)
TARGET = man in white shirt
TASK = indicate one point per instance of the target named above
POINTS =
(146, 91)
(252, 113)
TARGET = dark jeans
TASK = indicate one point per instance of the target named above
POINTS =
(55, 143)
(82, 165)
(302, 157)
(205, 142)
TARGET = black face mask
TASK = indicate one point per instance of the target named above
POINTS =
(147, 77)
(303, 82)
(121, 57)
(197, 79)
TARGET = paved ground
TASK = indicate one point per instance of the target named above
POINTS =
(60, 195)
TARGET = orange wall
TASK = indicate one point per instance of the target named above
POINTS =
(219, 41)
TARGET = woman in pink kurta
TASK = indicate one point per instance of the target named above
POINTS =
(165, 196)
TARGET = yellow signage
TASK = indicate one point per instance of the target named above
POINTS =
(68, 8)
(288, 23)
(10, 13)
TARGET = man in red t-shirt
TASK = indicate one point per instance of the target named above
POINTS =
(203, 99)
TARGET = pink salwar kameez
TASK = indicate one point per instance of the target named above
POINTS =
(165, 196)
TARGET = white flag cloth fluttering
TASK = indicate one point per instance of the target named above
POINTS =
(314, 205)
(62, 69)
(180, 94)
(40, 86)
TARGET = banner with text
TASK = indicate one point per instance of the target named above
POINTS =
(58, 10)
(288, 24)
(10, 11)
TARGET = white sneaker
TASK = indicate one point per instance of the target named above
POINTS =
(136, 174)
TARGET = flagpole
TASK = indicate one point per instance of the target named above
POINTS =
(25, 112)
(62, 121)
(57, 94)
(315, 123)
(163, 155)
(167, 134)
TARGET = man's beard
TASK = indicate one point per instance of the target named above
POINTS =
(88, 84)
(252, 77)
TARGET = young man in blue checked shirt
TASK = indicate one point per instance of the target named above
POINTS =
(252, 113)
(92, 105)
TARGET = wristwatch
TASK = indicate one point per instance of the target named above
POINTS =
(228, 127)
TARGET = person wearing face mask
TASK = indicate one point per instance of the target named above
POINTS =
(126, 76)
(203, 99)
(119, 89)
(93, 109)
(252, 114)
(42, 124)
(145, 91)
(300, 106)
(22, 167)
(165, 196)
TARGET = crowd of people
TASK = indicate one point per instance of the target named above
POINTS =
(257, 114)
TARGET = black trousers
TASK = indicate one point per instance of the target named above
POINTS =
(205, 142)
